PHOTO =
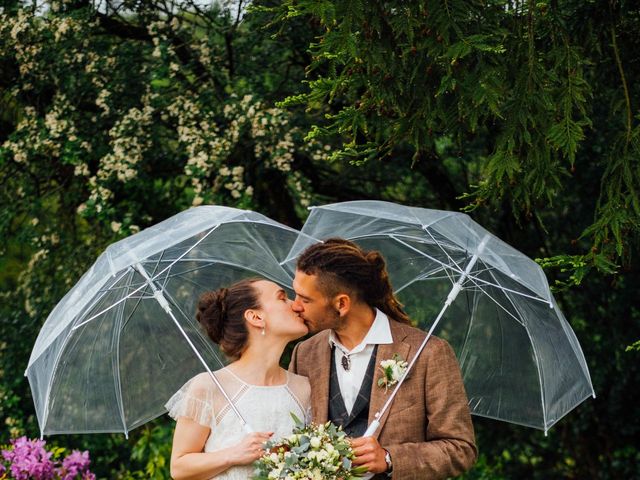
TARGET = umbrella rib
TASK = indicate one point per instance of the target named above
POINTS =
(289, 257)
(116, 370)
(144, 285)
(482, 270)
(188, 280)
(221, 262)
(103, 292)
(430, 275)
(57, 360)
(50, 384)
(540, 379)
(153, 275)
(135, 307)
(397, 235)
(440, 262)
(185, 252)
(497, 303)
(173, 262)
(513, 304)
(468, 332)
(503, 288)
(460, 269)
(457, 268)
(122, 273)
(424, 276)
(112, 306)
(188, 319)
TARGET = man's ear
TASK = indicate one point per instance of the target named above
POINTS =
(342, 303)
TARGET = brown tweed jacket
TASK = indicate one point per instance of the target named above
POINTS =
(427, 430)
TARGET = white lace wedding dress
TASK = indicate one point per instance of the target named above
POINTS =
(265, 408)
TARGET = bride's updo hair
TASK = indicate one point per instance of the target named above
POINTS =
(221, 313)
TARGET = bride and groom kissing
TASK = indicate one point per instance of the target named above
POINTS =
(344, 297)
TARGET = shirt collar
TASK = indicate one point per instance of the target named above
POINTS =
(379, 333)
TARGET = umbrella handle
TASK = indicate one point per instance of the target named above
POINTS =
(371, 429)
(247, 428)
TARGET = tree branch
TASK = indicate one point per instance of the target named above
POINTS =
(429, 165)
(625, 87)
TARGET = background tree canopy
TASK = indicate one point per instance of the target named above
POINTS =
(115, 115)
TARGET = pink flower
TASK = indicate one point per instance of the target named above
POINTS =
(76, 463)
(29, 460)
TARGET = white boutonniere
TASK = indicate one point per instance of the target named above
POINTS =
(392, 371)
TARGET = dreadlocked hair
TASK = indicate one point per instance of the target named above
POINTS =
(342, 266)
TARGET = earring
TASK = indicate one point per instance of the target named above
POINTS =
(263, 329)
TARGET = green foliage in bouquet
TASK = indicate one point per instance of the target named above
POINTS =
(310, 452)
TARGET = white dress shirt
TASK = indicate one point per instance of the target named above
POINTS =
(350, 380)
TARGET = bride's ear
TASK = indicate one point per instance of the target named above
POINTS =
(253, 318)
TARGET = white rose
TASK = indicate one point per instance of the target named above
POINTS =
(386, 363)
(398, 371)
(315, 442)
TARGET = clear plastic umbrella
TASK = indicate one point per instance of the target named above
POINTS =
(125, 338)
(520, 360)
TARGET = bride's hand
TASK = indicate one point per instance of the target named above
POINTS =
(250, 448)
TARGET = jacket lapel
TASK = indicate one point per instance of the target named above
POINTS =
(319, 378)
(385, 352)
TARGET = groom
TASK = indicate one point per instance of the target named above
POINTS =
(344, 293)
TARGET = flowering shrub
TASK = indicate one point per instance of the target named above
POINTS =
(28, 459)
(314, 452)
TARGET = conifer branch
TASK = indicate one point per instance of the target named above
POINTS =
(625, 87)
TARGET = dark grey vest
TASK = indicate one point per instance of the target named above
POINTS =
(354, 424)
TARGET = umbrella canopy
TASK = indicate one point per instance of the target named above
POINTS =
(125, 338)
(520, 360)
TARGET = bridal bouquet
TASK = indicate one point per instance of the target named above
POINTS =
(311, 452)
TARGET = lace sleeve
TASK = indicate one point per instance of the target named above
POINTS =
(195, 400)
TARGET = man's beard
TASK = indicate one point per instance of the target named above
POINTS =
(335, 322)
(331, 319)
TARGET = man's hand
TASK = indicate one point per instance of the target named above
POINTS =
(369, 453)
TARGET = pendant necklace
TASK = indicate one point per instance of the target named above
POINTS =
(346, 362)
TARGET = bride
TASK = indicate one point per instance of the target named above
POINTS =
(252, 321)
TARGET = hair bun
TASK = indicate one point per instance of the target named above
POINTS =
(375, 259)
(212, 313)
